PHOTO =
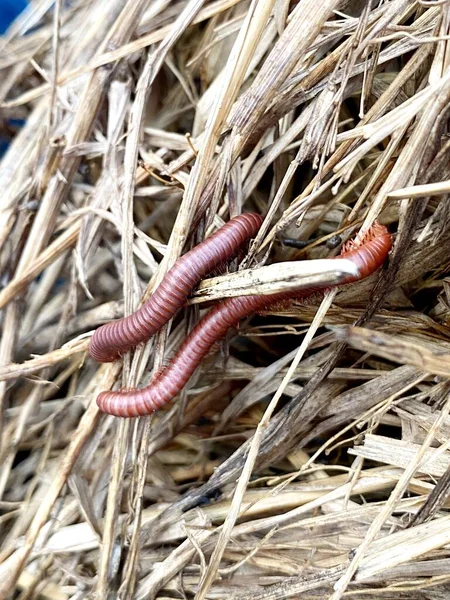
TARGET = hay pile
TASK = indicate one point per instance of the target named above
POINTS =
(309, 457)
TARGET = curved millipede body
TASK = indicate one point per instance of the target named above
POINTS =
(133, 403)
(113, 339)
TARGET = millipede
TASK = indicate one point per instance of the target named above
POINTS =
(111, 340)
(367, 256)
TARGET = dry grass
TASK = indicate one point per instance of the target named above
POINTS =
(310, 457)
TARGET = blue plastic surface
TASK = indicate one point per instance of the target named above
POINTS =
(9, 9)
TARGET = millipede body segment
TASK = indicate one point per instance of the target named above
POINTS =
(367, 257)
(111, 340)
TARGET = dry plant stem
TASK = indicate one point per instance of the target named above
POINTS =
(383, 449)
(164, 431)
(131, 568)
(435, 500)
(275, 205)
(55, 67)
(110, 537)
(397, 349)
(8, 338)
(250, 393)
(275, 278)
(320, 75)
(421, 191)
(279, 64)
(13, 371)
(249, 464)
(405, 545)
(321, 581)
(106, 192)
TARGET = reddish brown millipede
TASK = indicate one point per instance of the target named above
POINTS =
(113, 339)
(367, 257)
